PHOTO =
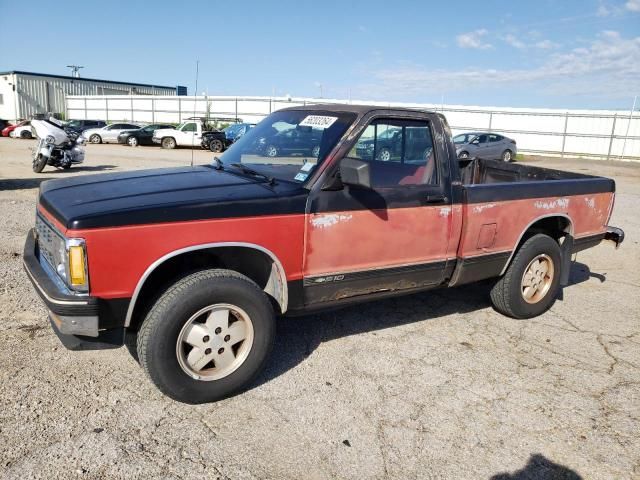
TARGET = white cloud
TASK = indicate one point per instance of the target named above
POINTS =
(603, 11)
(473, 40)
(546, 44)
(608, 66)
(514, 41)
(633, 5)
(520, 44)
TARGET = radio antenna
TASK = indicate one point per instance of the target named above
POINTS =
(193, 139)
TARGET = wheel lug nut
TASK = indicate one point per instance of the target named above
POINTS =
(227, 338)
(205, 339)
(207, 351)
(221, 351)
(218, 330)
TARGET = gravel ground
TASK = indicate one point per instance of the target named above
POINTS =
(434, 385)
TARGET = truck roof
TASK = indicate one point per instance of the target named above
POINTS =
(359, 109)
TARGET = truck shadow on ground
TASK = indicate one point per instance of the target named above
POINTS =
(298, 337)
(7, 184)
(540, 468)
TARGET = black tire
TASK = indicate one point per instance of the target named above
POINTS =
(25, 134)
(67, 166)
(315, 151)
(160, 331)
(169, 143)
(132, 141)
(507, 156)
(216, 146)
(463, 155)
(95, 138)
(507, 294)
(39, 163)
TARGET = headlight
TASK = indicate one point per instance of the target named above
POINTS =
(50, 139)
(67, 256)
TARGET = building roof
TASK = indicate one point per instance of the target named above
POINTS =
(66, 77)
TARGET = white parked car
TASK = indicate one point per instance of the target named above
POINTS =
(187, 134)
(108, 134)
(23, 131)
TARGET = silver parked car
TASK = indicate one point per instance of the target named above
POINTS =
(108, 134)
(489, 146)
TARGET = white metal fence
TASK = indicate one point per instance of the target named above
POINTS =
(588, 133)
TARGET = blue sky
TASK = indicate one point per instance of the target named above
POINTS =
(542, 53)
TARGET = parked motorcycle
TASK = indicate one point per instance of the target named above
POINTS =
(56, 146)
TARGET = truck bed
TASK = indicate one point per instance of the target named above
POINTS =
(500, 201)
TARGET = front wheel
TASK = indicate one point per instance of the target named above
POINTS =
(216, 146)
(95, 138)
(207, 337)
(26, 134)
(531, 283)
(271, 151)
(169, 143)
(463, 155)
(39, 163)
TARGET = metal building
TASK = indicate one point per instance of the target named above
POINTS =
(25, 94)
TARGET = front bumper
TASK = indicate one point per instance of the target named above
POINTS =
(77, 319)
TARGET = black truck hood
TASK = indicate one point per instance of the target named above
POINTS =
(165, 195)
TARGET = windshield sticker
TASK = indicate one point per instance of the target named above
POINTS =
(307, 166)
(301, 177)
(318, 121)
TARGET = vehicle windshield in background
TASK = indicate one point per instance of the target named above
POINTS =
(289, 145)
(464, 138)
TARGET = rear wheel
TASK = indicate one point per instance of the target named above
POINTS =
(207, 336)
(384, 155)
(507, 156)
(315, 151)
(39, 163)
(95, 138)
(132, 141)
(531, 283)
(463, 155)
(26, 134)
(169, 143)
(216, 146)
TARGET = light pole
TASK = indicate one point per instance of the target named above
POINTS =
(75, 70)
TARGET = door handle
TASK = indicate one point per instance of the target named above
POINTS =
(436, 199)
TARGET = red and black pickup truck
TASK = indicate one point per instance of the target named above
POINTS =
(191, 266)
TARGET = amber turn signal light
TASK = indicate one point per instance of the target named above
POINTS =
(76, 266)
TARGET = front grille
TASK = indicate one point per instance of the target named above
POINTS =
(48, 240)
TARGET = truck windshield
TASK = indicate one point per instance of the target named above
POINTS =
(289, 145)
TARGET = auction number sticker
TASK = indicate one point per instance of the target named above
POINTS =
(318, 121)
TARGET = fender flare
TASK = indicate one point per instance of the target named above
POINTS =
(276, 286)
(542, 217)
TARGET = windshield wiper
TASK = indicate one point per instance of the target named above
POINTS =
(217, 164)
(250, 171)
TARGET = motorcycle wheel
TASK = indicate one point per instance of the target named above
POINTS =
(39, 163)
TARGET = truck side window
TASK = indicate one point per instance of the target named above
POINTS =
(399, 152)
(190, 127)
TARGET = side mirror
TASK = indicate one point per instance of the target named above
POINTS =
(355, 172)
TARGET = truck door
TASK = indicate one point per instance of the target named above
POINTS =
(189, 135)
(390, 237)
